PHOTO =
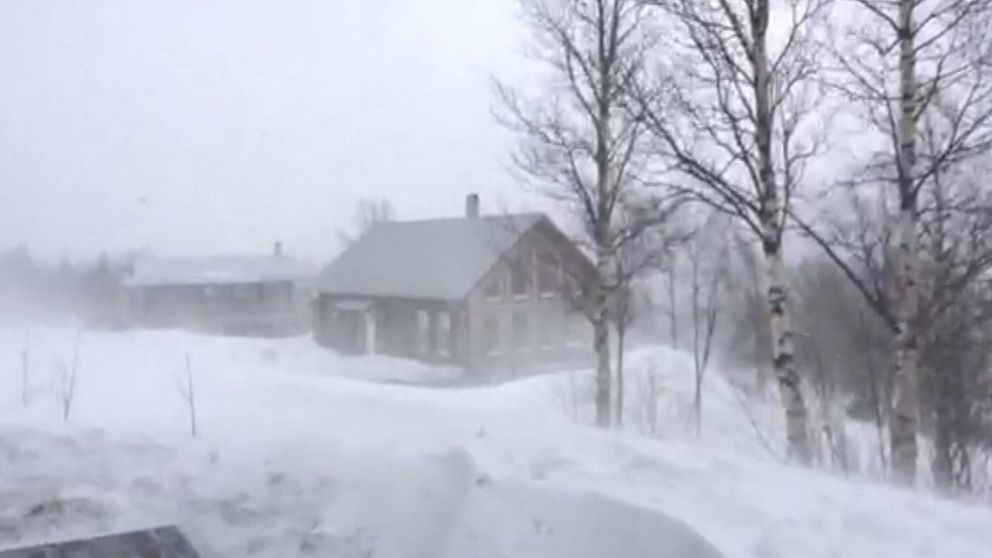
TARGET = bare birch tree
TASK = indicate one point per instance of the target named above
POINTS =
(733, 113)
(913, 68)
(954, 226)
(956, 306)
(579, 144)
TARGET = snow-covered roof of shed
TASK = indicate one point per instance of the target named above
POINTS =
(433, 259)
(218, 270)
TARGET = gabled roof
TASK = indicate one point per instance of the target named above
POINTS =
(217, 270)
(434, 259)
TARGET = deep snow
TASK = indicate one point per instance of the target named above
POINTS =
(302, 451)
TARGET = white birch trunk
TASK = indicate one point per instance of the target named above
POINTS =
(784, 360)
(904, 413)
(903, 420)
(603, 233)
(783, 355)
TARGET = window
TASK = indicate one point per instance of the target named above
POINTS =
(423, 332)
(494, 286)
(246, 291)
(550, 334)
(521, 335)
(519, 277)
(279, 292)
(443, 322)
(491, 335)
(547, 274)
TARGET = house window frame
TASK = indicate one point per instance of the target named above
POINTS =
(491, 335)
(526, 274)
(279, 292)
(568, 285)
(422, 339)
(246, 292)
(443, 345)
(542, 259)
(548, 339)
(495, 282)
(521, 335)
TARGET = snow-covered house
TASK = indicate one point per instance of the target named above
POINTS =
(473, 291)
(230, 295)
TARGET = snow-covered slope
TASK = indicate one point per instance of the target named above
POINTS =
(301, 451)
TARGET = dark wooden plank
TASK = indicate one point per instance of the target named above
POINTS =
(160, 542)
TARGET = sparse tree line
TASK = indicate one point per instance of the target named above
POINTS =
(854, 132)
(92, 291)
(88, 291)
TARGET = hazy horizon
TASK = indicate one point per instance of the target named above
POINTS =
(191, 128)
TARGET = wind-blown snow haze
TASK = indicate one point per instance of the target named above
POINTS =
(496, 278)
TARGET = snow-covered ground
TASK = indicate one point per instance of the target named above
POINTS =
(304, 452)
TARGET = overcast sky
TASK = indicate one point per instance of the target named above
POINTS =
(210, 126)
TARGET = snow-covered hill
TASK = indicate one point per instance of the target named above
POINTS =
(304, 452)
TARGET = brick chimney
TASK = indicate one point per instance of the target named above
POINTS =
(472, 206)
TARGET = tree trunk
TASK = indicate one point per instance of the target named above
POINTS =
(601, 344)
(784, 361)
(697, 403)
(905, 407)
(601, 329)
(873, 391)
(621, 338)
(783, 354)
(603, 236)
(942, 464)
(962, 425)
(904, 415)
(697, 399)
(951, 464)
(673, 311)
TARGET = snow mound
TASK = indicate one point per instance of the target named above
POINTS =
(57, 488)
(294, 457)
(528, 521)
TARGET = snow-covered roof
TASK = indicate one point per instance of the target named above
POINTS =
(218, 270)
(434, 259)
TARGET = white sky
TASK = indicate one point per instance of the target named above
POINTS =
(209, 126)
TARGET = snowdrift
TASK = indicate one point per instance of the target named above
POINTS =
(303, 452)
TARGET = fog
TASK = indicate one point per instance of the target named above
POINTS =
(216, 127)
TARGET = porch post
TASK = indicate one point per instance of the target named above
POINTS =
(369, 331)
